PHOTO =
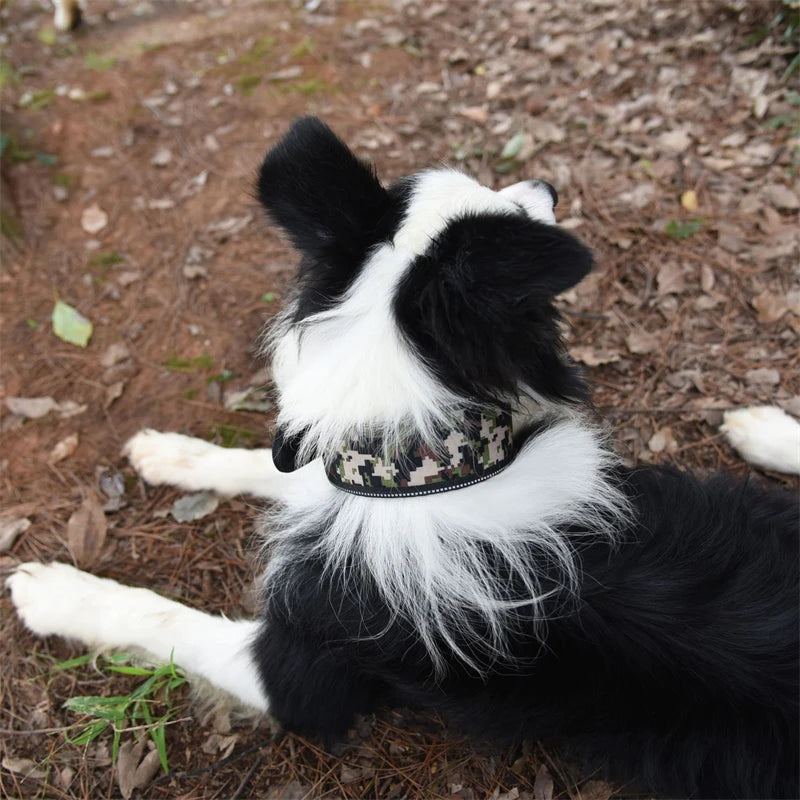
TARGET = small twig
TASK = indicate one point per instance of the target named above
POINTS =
(661, 410)
(246, 779)
(223, 762)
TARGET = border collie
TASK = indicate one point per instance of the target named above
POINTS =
(452, 530)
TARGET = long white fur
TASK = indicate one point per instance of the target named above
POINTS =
(427, 554)
(348, 372)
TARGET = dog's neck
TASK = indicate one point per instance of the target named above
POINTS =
(476, 446)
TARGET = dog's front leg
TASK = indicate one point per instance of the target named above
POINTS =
(57, 599)
(196, 465)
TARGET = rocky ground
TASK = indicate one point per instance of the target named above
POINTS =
(670, 130)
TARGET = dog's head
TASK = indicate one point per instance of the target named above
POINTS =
(412, 301)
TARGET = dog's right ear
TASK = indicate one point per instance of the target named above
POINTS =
(327, 200)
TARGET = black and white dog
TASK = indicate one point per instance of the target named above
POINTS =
(452, 531)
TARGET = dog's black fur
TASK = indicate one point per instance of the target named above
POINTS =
(674, 666)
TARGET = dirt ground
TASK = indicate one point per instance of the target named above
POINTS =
(129, 150)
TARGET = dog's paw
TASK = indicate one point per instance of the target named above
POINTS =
(765, 436)
(170, 458)
(57, 599)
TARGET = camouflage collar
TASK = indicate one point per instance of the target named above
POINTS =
(478, 445)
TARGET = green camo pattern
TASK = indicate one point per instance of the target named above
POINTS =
(479, 444)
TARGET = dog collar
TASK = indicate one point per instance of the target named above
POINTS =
(479, 444)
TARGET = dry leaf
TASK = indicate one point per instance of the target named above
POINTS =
(133, 771)
(194, 506)
(596, 790)
(86, 531)
(670, 279)
(31, 407)
(479, 114)
(64, 449)
(689, 200)
(114, 354)
(10, 529)
(543, 785)
(65, 777)
(662, 440)
(161, 157)
(781, 196)
(25, 767)
(641, 342)
(191, 271)
(770, 307)
(639, 196)
(765, 375)
(674, 141)
(219, 744)
(594, 356)
(94, 219)
(707, 278)
(113, 393)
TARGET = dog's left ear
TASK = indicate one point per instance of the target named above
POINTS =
(477, 306)
(321, 194)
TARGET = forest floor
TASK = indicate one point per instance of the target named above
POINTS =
(129, 150)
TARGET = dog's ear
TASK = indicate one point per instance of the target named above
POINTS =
(321, 194)
(477, 306)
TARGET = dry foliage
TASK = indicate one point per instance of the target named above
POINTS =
(129, 152)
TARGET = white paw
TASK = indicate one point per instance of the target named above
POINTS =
(58, 599)
(170, 458)
(765, 436)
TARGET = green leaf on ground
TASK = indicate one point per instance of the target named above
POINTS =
(678, 229)
(178, 364)
(70, 325)
(47, 36)
(99, 63)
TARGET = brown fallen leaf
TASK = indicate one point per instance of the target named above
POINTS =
(479, 114)
(594, 356)
(764, 375)
(10, 529)
(94, 219)
(113, 393)
(770, 307)
(217, 743)
(642, 342)
(133, 771)
(24, 767)
(662, 440)
(86, 531)
(707, 278)
(596, 790)
(543, 785)
(689, 200)
(64, 449)
(116, 352)
(670, 279)
(31, 407)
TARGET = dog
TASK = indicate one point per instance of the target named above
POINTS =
(452, 530)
